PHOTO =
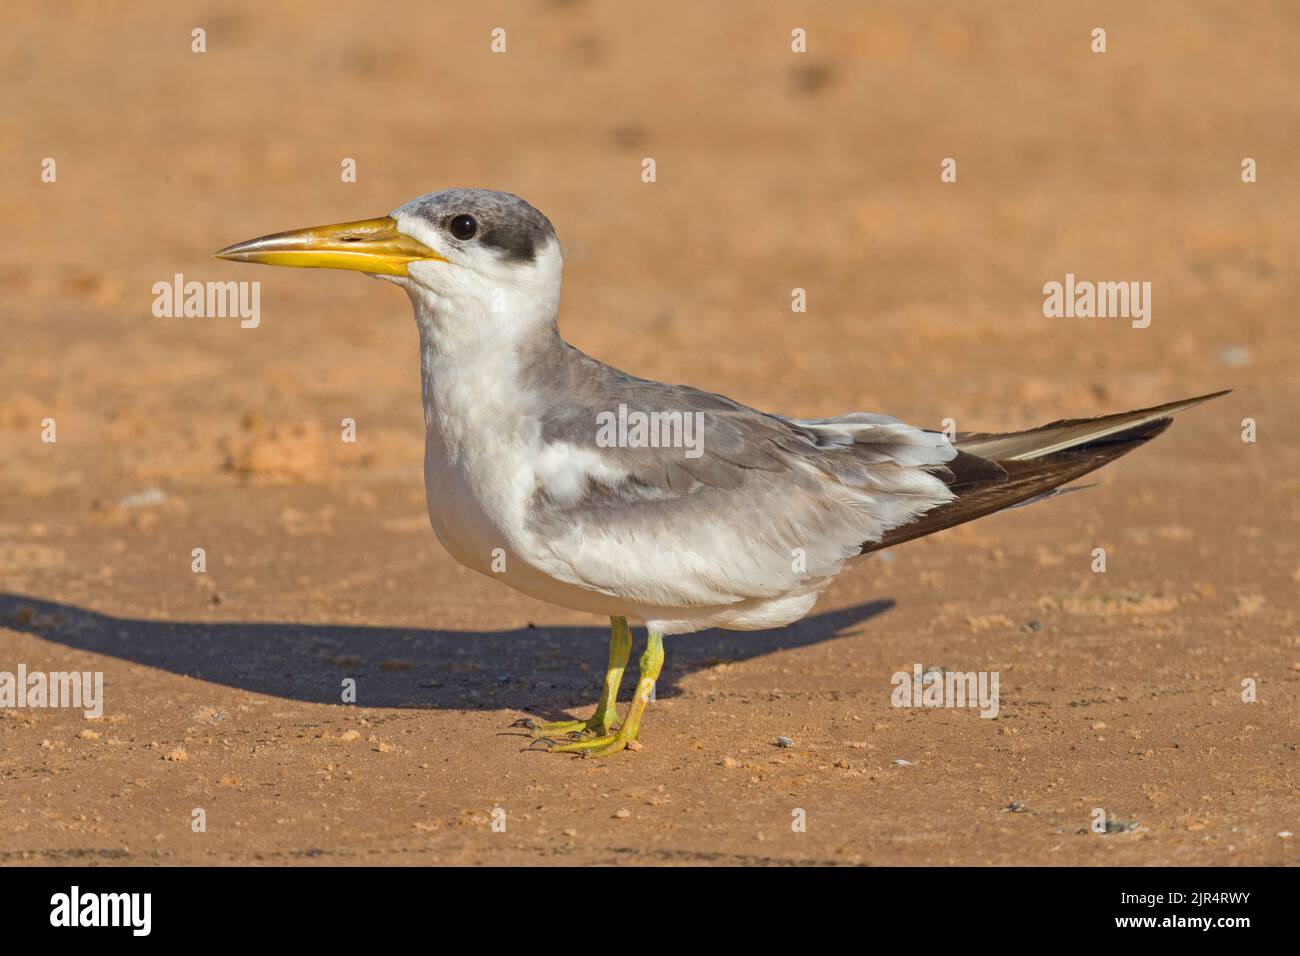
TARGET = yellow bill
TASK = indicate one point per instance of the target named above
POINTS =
(368, 245)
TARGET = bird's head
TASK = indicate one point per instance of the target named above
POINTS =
(472, 258)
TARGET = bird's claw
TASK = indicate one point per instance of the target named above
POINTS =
(573, 729)
(603, 745)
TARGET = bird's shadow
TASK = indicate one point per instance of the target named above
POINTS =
(541, 670)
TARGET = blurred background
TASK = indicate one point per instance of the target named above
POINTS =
(774, 171)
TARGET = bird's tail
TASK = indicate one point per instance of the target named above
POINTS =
(993, 472)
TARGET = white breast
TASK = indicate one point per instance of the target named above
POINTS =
(478, 450)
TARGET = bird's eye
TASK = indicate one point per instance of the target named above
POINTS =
(464, 227)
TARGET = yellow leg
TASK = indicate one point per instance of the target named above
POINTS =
(651, 663)
(606, 715)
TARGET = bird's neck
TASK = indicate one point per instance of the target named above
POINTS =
(474, 374)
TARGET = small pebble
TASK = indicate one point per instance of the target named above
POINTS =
(622, 814)
(1121, 826)
(784, 742)
(903, 763)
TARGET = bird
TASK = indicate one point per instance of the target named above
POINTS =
(594, 490)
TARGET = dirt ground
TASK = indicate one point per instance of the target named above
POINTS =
(775, 170)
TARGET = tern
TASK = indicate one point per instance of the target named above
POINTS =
(589, 488)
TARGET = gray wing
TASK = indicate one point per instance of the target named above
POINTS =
(744, 505)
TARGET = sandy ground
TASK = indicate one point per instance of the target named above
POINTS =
(1120, 691)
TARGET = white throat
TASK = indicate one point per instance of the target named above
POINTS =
(476, 329)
